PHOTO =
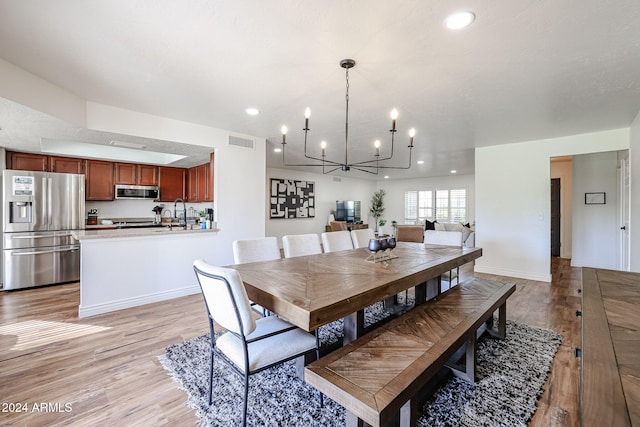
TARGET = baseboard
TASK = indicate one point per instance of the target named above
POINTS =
(514, 273)
(92, 310)
(590, 263)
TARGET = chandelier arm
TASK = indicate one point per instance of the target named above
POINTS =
(365, 170)
(329, 171)
(385, 167)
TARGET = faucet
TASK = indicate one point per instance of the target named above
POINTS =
(182, 221)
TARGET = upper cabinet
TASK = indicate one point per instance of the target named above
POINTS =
(27, 161)
(44, 163)
(133, 174)
(172, 183)
(66, 164)
(100, 180)
(200, 182)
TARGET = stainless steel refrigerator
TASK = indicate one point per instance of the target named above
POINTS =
(38, 211)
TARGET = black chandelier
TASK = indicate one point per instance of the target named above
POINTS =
(370, 166)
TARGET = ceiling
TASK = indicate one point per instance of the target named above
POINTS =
(524, 70)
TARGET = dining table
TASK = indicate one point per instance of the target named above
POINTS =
(314, 290)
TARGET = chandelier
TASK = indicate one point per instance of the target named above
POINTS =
(370, 166)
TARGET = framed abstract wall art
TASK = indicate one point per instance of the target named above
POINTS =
(292, 199)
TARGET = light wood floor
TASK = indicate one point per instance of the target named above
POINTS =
(104, 370)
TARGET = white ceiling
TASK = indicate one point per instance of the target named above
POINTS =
(524, 70)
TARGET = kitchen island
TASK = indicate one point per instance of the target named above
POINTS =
(122, 268)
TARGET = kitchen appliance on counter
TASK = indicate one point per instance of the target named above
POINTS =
(39, 210)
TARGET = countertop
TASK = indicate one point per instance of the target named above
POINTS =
(89, 234)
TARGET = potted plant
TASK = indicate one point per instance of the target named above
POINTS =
(377, 206)
(381, 229)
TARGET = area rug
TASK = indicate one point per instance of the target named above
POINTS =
(511, 374)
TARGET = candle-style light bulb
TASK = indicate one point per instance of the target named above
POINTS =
(412, 133)
(394, 116)
(307, 114)
(284, 129)
(323, 145)
(377, 145)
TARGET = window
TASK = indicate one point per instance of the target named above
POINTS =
(439, 205)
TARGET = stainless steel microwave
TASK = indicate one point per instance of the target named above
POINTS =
(137, 192)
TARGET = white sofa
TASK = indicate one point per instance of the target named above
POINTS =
(468, 234)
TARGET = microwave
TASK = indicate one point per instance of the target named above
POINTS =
(137, 192)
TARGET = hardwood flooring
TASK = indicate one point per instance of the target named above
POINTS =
(56, 369)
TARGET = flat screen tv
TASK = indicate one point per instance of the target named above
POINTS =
(348, 210)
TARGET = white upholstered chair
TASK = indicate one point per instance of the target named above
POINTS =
(248, 346)
(336, 241)
(254, 250)
(445, 238)
(300, 245)
(360, 238)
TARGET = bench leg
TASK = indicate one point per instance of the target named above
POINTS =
(501, 333)
(468, 372)
(353, 326)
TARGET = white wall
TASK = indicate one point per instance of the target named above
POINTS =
(136, 208)
(595, 227)
(634, 220)
(327, 192)
(395, 189)
(562, 169)
(513, 200)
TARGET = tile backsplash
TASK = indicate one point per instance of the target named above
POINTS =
(136, 208)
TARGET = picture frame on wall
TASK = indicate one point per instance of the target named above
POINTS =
(290, 198)
(595, 198)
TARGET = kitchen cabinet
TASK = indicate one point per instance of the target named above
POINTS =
(172, 183)
(44, 163)
(66, 164)
(200, 182)
(134, 174)
(99, 180)
(27, 161)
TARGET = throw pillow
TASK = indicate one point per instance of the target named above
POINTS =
(466, 232)
(439, 227)
(429, 225)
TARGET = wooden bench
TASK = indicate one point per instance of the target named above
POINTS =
(378, 376)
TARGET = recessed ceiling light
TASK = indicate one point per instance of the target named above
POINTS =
(252, 111)
(277, 150)
(420, 162)
(459, 20)
(386, 177)
(454, 171)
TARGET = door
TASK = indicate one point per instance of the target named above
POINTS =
(65, 165)
(555, 217)
(25, 268)
(66, 201)
(625, 194)
(100, 179)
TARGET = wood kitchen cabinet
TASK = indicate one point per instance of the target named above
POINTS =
(99, 180)
(172, 183)
(134, 174)
(27, 161)
(66, 164)
(200, 183)
(44, 163)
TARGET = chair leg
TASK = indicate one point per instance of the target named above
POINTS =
(246, 400)
(211, 376)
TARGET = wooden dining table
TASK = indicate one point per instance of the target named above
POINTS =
(314, 290)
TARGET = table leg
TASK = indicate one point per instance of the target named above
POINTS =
(353, 326)
(428, 290)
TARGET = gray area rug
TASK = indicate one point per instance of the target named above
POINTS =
(511, 374)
